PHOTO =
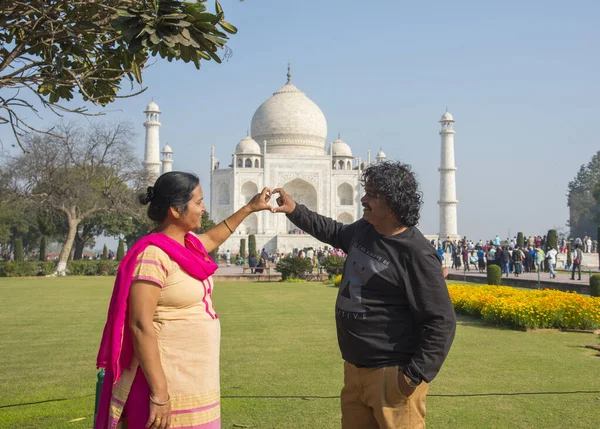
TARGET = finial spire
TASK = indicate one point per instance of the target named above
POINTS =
(339, 135)
(247, 132)
(289, 73)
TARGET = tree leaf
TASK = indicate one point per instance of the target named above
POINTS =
(230, 28)
(137, 72)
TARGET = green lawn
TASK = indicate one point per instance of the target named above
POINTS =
(280, 364)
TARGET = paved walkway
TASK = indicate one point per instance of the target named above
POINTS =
(562, 277)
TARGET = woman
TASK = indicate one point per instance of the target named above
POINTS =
(160, 345)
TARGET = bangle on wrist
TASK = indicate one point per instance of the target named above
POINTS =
(160, 404)
(227, 225)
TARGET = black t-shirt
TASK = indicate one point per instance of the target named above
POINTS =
(393, 306)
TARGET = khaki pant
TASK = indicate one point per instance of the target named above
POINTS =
(371, 399)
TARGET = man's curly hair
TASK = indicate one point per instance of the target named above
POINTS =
(397, 185)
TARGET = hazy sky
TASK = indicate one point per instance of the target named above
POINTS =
(520, 78)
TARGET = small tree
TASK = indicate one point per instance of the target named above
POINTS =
(597, 244)
(121, 250)
(569, 255)
(494, 275)
(520, 239)
(552, 240)
(85, 172)
(43, 248)
(18, 250)
(105, 252)
(595, 285)
(252, 245)
(243, 248)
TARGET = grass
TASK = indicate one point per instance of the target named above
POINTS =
(280, 365)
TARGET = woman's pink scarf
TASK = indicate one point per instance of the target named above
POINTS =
(116, 347)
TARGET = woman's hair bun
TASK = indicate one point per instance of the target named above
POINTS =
(148, 196)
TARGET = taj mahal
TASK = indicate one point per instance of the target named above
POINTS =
(287, 148)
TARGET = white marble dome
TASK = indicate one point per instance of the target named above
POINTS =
(248, 146)
(291, 123)
(447, 116)
(167, 149)
(381, 154)
(152, 107)
(340, 148)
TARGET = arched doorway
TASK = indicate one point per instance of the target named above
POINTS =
(249, 190)
(345, 218)
(345, 194)
(303, 193)
(250, 225)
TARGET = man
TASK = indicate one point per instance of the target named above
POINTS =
(228, 257)
(505, 261)
(252, 263)
(264, 254)
(395, 320)
(551, 258)
(577, 259)
(540, 256)
(497, 241)
(517, 257)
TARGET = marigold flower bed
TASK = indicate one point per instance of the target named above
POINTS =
(530, 309)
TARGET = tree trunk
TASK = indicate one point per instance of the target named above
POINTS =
(79, 245)
(66, 250)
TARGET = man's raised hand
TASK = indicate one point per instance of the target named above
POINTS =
(284, 201)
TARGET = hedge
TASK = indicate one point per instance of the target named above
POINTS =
(92, 268)
(27, 269)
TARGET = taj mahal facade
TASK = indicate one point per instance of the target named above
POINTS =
(287, 148)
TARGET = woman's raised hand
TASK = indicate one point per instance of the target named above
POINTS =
(260, 201)
(284, 201)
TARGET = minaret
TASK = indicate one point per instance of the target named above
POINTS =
(448, 201)
(152, 153)
(167, 159)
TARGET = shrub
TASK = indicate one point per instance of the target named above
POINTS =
(494, 275)
(595, 285)
(252, 245)
(107, 268)
(92, 268)
(293, 267)
(121, 250)
(337, 281)
(105, 252)
(569, 256)
(520, 239)
(243, 248)
(27, 269)
(82, 268)
(333, 264)
(215, 255)
(18, 250)
(43, 248)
